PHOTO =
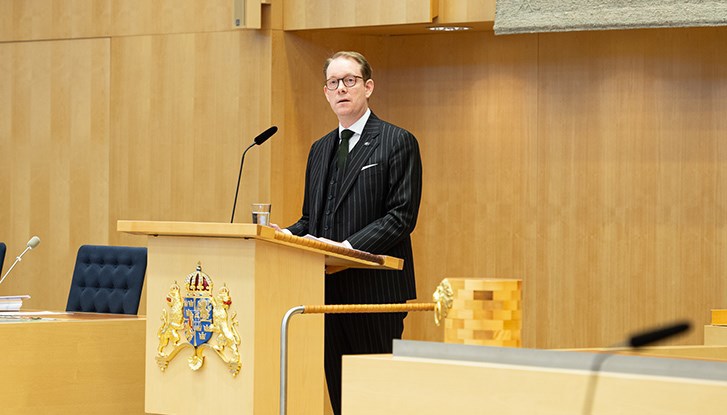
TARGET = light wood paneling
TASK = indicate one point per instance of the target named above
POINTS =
(134, 17)
(54, 149)
(184, 108)
(321, 14)
(53, 19)
(631, 178)
(458, 11)
(473, 113)
(73, 19)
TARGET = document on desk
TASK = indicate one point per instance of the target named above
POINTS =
(34, 313)
(23, 316)
(12, 302)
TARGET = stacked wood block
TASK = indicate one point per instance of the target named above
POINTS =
(719, 317)
(485, 311)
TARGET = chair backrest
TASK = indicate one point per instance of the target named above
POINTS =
(107, 279)
(2, 257)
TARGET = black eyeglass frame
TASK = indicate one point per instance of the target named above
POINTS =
(329, 82)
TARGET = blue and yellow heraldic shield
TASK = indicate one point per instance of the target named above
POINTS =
(204, 320)
(198, 308)
(198, 315)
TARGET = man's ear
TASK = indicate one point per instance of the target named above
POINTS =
(369, 85)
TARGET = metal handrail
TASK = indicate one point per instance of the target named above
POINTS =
(332, 309)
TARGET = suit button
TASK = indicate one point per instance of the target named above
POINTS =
(326, 228)
(328, 212)
(330, 197)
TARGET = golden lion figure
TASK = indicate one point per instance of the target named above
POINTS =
(226, 329)
(172, 321)
(443, 298)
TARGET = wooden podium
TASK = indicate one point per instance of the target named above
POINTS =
(266, 273)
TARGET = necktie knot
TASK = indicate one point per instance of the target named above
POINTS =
(346, 135)
(342, 153)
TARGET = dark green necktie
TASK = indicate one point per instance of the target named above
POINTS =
(342, 154)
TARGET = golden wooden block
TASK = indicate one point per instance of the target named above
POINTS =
(485, 311)
(719, 317)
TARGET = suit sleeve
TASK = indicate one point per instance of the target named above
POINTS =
(402, 200)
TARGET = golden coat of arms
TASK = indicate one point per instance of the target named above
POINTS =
(198, 320)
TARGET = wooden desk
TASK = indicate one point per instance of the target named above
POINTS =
(72, 363)
(437, 378)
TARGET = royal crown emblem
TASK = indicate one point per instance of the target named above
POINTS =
(203, 321)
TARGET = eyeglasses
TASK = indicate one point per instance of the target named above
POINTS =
(349, 81)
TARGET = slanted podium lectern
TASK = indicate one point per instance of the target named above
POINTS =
(264, 274)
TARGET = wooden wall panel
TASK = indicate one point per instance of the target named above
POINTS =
(457, 11)
(321, 14)
(135, 17)
(631, 183)
(53, 19)
(473, 113)
(54, 150)
(72, 19)
(184, 107)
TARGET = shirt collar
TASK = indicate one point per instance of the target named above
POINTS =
(358, 126)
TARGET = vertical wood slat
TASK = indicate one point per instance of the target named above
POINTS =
(185, 108)
(321, 14)
(54, 159)
(22, 20)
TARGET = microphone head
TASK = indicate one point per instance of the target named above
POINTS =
(33, 242)
(263, 136)
(653, 336)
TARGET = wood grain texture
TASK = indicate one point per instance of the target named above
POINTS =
(458, 11)
(322, 14)
(73, 366)
(54, 151)
(22, 20)
(184, 108)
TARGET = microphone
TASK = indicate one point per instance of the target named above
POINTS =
(32, 243)
(261, 138)
(635, 341)
(653, 336)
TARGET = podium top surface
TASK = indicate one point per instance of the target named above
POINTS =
(336, 258)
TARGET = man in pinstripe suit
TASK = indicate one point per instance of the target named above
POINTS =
(366, 197)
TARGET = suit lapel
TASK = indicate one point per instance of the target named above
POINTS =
(365, 146)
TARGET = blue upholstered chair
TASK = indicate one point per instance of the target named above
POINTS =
(107, 279)
(2, 256)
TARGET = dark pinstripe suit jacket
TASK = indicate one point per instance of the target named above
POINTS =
(376, 210)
